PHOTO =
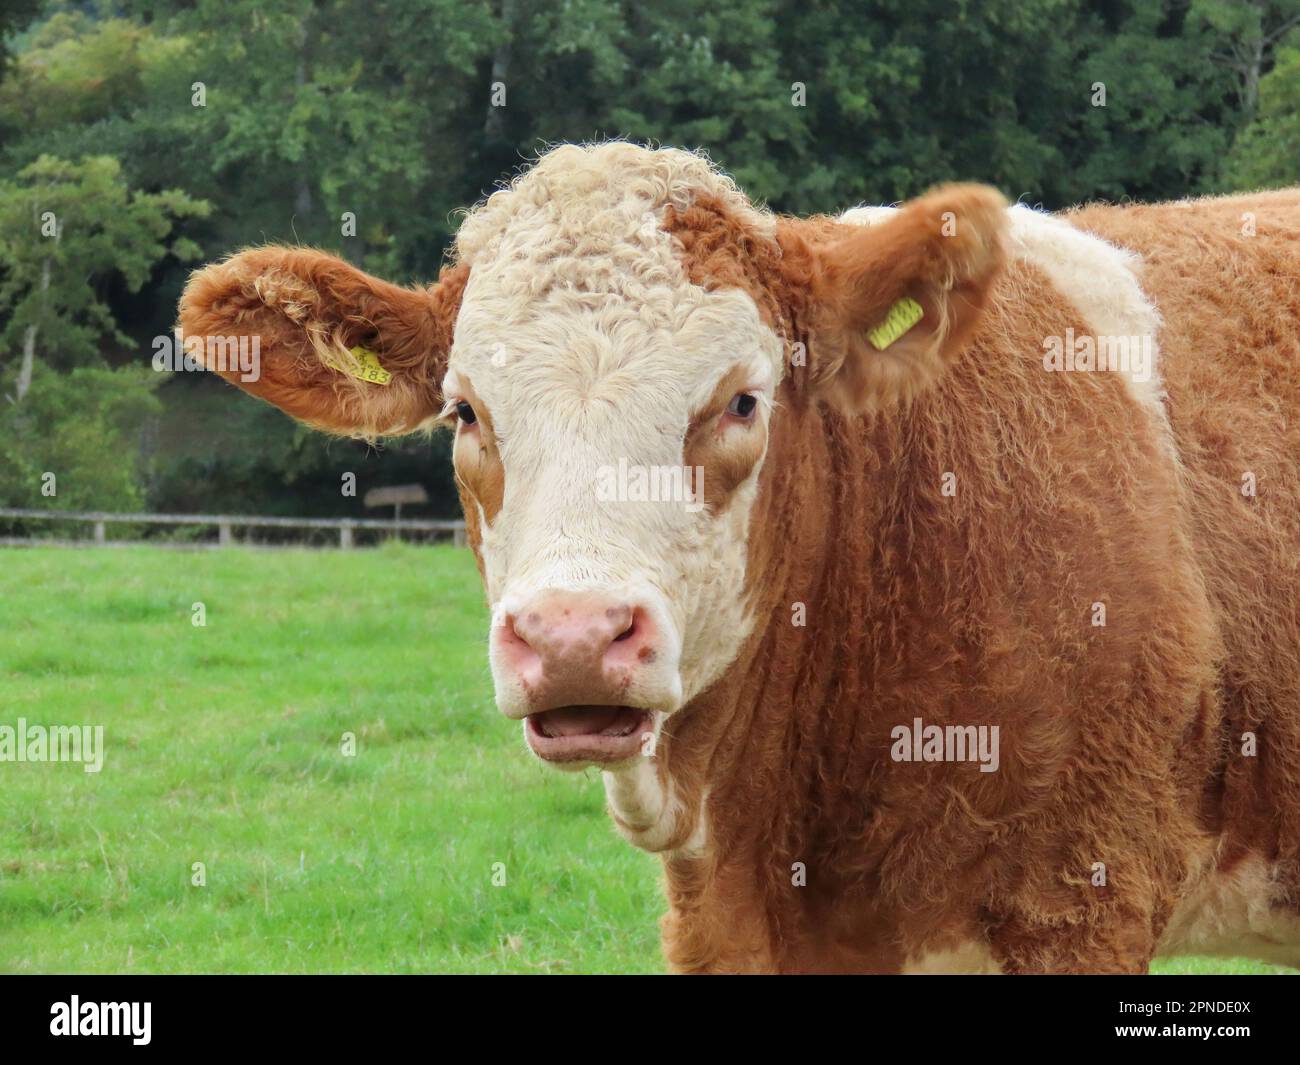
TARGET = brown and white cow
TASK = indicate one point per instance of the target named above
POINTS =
(900, 535)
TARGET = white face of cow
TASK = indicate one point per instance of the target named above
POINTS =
(597, 396)
(611, 415)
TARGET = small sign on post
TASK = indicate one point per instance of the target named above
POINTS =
(394, 496)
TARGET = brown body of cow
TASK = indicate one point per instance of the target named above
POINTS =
(1117, 590)
(1126, 738)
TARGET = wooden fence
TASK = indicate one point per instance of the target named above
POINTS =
(226, 524)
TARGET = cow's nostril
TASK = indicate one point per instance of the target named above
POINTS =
(512, 632)
(627, 633)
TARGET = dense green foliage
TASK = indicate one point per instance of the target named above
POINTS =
(164, 132)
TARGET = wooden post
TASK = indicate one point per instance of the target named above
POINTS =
(458, 537)
(345, 536)
(99, 532)
(394, 496)
(224, 537)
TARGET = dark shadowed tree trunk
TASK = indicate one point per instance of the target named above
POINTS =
(494, 123)
(304, 201)
(1247, 54)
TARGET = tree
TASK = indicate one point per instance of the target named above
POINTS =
(1247, 32)
(74, 444)
(64, 229)
(14, 15)
(1267, 152)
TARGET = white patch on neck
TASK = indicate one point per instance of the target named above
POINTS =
(648, 811)
(1242, 913)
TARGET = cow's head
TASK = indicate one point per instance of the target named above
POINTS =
(618, 332)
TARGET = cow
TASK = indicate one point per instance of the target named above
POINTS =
(967, 638)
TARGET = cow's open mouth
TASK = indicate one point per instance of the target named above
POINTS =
(588, 733)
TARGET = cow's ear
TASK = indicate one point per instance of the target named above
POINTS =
(889, 305)
(336, 348)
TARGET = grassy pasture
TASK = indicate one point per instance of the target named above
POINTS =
(224, 746)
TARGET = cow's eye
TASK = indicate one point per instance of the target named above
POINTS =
(743, 405)
(466, 413)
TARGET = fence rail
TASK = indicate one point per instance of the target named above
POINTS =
(227, 523)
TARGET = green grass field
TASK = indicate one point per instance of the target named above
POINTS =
(224, 746)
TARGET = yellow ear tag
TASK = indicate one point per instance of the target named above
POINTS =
(901, 317)
(367, 368)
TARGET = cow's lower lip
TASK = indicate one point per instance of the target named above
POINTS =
(600, 734)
